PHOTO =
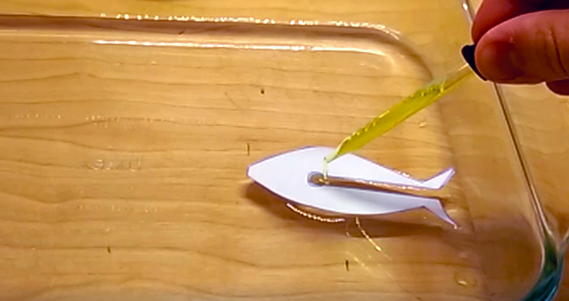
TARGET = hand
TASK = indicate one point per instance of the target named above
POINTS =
(524, 41)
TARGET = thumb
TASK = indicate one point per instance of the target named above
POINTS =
(529, 48)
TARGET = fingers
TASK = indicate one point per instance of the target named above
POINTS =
(494, 12)
(529, 48)
(560, 87)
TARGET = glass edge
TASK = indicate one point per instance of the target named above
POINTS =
(547, 284)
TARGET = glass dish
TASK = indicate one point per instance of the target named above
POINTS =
(126, 137)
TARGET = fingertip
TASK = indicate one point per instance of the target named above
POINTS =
(478, 28)
(493, 12)
(495, 61)
(489, 15)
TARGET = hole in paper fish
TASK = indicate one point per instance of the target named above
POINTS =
(315, 179)
(295, 176)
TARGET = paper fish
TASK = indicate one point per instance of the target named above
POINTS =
(288, 175)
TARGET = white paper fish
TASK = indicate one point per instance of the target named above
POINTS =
(288, 175)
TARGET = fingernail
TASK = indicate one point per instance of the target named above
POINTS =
(468, 55)
(498, 61)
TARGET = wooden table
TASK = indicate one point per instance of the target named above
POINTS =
(109, 210)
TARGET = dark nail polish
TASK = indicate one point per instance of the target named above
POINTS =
(468, 55)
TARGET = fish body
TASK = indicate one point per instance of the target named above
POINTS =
(288, 174)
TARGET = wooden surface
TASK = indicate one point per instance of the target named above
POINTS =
(124, 150)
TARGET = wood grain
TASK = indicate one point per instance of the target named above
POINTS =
(125, 145)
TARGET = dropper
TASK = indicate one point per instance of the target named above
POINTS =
(398, 113)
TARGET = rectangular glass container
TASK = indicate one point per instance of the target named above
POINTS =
(126, 131)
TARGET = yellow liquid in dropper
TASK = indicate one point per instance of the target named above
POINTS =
(398, 113)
